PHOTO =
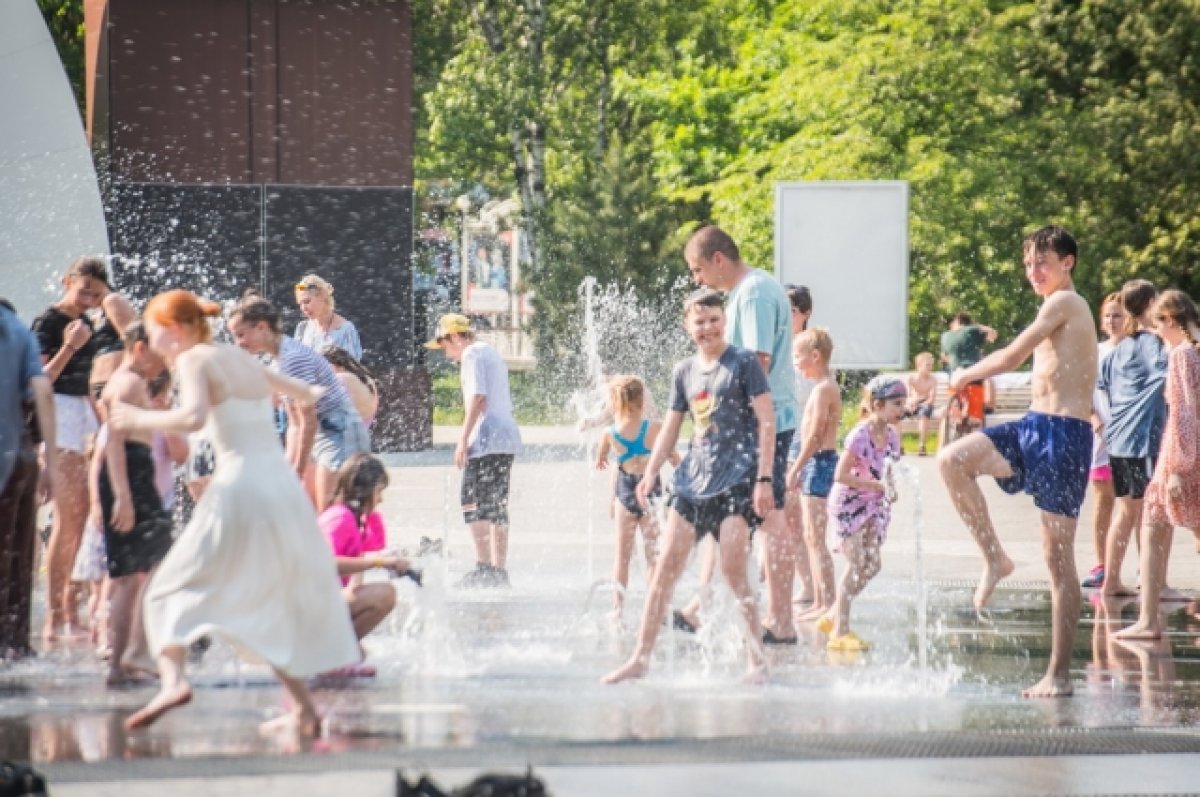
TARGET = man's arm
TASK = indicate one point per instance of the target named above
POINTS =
(764, 412)
(988, 333)
(43, 402)
(1051, 316)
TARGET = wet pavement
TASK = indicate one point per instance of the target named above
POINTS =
(471, 678)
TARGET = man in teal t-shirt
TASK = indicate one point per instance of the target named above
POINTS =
(759, 318)
(962, 344)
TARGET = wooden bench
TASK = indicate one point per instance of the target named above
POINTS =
(1013, 395)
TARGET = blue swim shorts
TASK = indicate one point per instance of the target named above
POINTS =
(1050, 456)
(816, 479)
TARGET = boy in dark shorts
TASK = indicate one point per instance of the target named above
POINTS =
(137, 529)
(723, 484)
(487, 445)
(1048, 452)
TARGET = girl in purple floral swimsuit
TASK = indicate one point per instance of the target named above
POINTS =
(860, 504)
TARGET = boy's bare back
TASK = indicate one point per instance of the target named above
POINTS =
(823, 413)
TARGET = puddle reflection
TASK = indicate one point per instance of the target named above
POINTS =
(522, 667)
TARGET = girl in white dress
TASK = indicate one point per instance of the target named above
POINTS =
(251, 567)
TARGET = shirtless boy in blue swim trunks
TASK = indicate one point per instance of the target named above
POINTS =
(813, 470)
(1048, 452)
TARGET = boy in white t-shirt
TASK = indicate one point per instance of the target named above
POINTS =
(486, 447)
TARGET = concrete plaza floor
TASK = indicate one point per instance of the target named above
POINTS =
(475, 679)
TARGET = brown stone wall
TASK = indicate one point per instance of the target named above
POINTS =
(294, 92)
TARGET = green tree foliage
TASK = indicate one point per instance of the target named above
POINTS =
(1002, 115)
(65, 20)
(624, 123)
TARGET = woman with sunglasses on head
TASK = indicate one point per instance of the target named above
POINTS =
(322, 326)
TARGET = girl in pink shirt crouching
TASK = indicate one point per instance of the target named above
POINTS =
(355, 530)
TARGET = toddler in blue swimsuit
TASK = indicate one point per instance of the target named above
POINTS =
(631, 438)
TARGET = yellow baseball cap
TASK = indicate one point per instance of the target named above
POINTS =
(449, 324)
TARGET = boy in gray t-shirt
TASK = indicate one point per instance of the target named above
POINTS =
(722, 484)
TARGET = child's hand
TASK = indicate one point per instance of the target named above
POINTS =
(792, 482)
(395, 565)
(644, 488)
(764, 499)
(122, 514)
(874, 486)
(1175, 487)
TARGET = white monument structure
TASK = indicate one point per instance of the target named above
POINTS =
(50, 207)
(848, 242)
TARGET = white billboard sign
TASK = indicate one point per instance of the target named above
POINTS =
(848, 242)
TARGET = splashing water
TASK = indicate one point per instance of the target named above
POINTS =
(912, 478)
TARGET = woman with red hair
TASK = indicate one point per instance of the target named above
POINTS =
(251, 567)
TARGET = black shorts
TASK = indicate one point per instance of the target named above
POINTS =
(144, 546)
(779, 467)
(1131, 475)
(707, 514)
(485, 488)
(920, 411)
(626, 490)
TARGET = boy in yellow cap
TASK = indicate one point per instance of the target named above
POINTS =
(486, 447)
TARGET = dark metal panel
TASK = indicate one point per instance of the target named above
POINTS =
(179, 91)
(264, 97)
(360, 239)
(202, 238)
(345, 92)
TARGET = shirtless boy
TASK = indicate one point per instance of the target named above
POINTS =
(1047, 453)
(922, 393)
(812, 472)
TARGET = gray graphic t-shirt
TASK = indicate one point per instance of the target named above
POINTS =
(724, 447)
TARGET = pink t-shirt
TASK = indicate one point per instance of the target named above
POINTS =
(346, 538)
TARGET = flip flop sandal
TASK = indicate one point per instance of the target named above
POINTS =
(847, 641)
(681, 623)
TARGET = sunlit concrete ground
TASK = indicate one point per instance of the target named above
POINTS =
(471, 678)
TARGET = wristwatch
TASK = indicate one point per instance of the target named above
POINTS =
(765, 480)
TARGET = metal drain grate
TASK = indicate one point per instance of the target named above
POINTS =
(809, 747)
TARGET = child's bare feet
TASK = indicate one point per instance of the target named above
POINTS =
(816, 612)
(756, 673)
(1141, 630)
(1113, 588)
(993, 573)
(164, 701)
(1050, 686)
(1172, 595)
(634, 668)
(129, 676)
(300, 723)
